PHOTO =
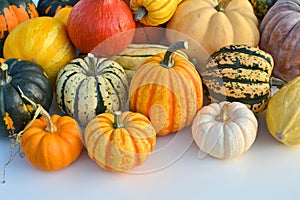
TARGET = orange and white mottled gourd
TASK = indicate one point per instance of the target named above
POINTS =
(153, 12)
(167, 88)
(214, 23)
(119, 141)
(43, 40)
(89, 86)
(224, 130)
(12, 13)
(280, 37)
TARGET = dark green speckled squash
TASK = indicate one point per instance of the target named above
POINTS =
(51, 7)
(261, 7)
(240, 73)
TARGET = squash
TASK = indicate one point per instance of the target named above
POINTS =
(43, 40)
(13, 12)
(283, 114)
(63, 14)
(214, 24)
(51, 7)
(16, 112)
(93, 23)
(152, 12)
(261, 7)
(50, 142)
(119, 141)
(90, 86)
(167, 89)
(240, 73)
(224, 130)
(148, 34)
(280, 37)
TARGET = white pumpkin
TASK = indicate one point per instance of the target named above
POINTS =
(224, 130)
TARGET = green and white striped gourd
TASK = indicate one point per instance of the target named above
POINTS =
(240, 73)
(90, 86)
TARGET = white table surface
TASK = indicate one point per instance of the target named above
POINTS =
(269, 170)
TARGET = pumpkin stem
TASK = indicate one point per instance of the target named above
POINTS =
(4, 77)
(222, 5)
(167, 62)
(140, 13)
(117, 120)
(277, 82)
(223, 116)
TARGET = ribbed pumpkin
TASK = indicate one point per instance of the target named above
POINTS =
(90, 86)
(153, 12)
(240, 73)
(13, 12)
(166, 88)
(51, 7)
(43, 40)
(15, 112)
(214, 23)
(92, 22)
(280, 37)
(119, 141)
(261, 7)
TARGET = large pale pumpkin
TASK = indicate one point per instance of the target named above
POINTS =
(166, 88)
(214, 23)
(43, 40)
(280, 37)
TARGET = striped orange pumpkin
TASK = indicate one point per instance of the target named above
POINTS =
(167, 88)
(119, 141)
(43, 40)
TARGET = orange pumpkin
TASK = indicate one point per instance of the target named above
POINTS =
(167, 88)
(119, 141)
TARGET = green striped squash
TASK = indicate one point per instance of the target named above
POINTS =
(239, 73)
(90, 86)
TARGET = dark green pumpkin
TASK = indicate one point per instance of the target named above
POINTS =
(13, 12)
(239, 73)
(51, 7)
(15, 112)
(261, 7)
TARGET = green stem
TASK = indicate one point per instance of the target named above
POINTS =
(221, 7)
(277, 82)
(117, 120)
(140, 13)
(223, 116)
(167, 62)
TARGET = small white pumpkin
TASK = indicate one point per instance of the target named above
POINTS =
(224, 130)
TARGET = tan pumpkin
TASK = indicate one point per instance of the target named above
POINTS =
(214, 23)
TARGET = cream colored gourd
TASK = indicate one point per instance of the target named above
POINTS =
(224, 130)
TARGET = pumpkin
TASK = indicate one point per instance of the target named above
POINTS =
(224, 130)
(63, 14)
(283, 114)
(240, 73)
(51, 7)
(11, 14)
(280, 37)
(167, 89)
(16, 112)
(148, 34)
(119, 141)
(90, 86)
(152, 12)
(43, 40)
(214, 23)
(93, 23)
(261, 7)
(51, 142)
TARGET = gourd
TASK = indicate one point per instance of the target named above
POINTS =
(16, 112)
(90, 86)
(119, 141)
(283, 114)
(240, 73)
(63, 14)
(13, 12)
(214, 23)
(43, 40)
(152, 12)
(261, 7)
(51, 7)
(93, 23)
(280, 37)
(50, 142)
(224, 130)
(167, 89)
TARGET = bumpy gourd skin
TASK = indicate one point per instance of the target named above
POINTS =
(261, 7)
